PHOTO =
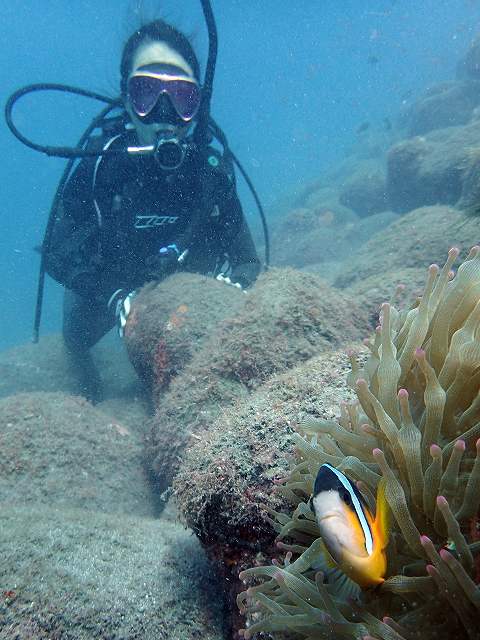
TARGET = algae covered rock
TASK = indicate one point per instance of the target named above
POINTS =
(287, 317)
(365, 190)
(226, 477)
(423, 235)
(60, 450)
(447, 104)
(169, 320)
(44, 367)
(469, 65)
(470, 196)
(370, 292)
(75, 574)
(312, 230)
(431, 169)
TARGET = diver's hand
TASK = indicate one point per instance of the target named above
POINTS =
(226, 280)
(121, 304)
(166, 261)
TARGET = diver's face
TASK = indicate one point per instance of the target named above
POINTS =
(154, 55)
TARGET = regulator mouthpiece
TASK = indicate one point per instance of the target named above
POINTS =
(169, 153)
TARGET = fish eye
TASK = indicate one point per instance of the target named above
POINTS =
(346, 497)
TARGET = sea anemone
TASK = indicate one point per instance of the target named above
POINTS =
(417, 424)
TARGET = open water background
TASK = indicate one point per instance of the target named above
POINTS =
(295, 79)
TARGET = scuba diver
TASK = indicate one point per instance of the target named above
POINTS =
(150, 196)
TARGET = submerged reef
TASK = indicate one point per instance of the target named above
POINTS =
(226, 475)
(168, 321)
(416, 424)
(421, 236)
(287, 318)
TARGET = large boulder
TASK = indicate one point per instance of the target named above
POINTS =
(364, 191)
(169, 320)
(71, 574)
(45, 367)
(370, 292)
(323, 252)
(447, 104)
(356, 235)
(469, 65)
(470, 196)
(226, 477)
(429, 170)
(58, 450)
(287, 318)
(312, 232)
(413, 240)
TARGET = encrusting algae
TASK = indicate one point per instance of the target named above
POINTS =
(417, 425)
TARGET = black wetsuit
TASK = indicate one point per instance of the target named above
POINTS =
(118, 212)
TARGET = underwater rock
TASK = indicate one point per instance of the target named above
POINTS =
(59, 450)
(447, 104)
(44, 367)
(320, 226)
(429, 170)
(75, 574)
(311, 234)
(469, 65)
(365, 190)
(415, 429)
(169, 320)
(354, 236)
(371, 291)
(328, 271)
(226, 475)
(287, 317)
(470, 197)
(316, 246)
(326, 208)
(413, 239)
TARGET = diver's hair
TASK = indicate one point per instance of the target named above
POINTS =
(157, 31)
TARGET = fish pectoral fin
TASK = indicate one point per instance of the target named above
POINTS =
(324, 561)
(341, 586)
(338, 584)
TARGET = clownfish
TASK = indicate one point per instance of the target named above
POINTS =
(354, 540)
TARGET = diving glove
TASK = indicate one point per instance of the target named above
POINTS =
(166, 261)
(226, 280)
(121, 304)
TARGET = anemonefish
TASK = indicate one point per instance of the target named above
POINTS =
(354, 540)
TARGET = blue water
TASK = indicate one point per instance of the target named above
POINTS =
(293, 83)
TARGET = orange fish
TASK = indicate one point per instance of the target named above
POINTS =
(354, 540)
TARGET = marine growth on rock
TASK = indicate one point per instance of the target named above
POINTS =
(416, 424)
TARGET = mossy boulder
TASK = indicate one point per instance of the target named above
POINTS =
(447, 104)
(58, 450)
(74, 574)
(44, 367)
(365, 191)
(227, 477)
(413, 240)
(430, 169)
(169, 320)
(288, 317)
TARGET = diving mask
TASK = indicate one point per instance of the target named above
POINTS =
(150, 82)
